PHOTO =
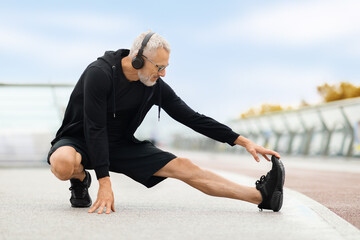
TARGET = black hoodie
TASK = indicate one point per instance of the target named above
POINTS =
(99, 97)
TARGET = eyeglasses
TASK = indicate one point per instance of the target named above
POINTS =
(160, 68)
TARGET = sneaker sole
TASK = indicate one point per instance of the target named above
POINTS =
(80, 205)
(276, 201)
(277, 197)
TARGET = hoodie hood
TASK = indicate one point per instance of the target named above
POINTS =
(113, 60)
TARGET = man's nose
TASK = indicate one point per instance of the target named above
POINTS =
(162, 73)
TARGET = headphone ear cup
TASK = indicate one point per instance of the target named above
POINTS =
(137, 62)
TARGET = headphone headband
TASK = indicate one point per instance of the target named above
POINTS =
(144, 42)
(138, 61)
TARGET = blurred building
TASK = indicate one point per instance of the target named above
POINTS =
(30, 115)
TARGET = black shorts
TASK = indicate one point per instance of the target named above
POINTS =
(138, 161)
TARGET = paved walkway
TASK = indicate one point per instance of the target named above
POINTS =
(327, 180)
(35, 205)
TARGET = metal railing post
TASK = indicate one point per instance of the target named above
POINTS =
(350, 131)
(325, 141)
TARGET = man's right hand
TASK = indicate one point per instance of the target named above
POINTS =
(105, 197)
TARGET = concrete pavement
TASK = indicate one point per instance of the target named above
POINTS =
(35, 205)
(327, 180)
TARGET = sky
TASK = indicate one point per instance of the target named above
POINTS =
(226, 56)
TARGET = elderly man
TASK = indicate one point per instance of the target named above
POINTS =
(107, 105)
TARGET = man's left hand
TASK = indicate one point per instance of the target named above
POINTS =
(255, 149)
(105, 197)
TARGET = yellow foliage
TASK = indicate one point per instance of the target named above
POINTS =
(338, 91)
(303, 104)
(328, 92)
(264, 108)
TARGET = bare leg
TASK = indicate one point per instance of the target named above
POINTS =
(66, 164)
(208, 182)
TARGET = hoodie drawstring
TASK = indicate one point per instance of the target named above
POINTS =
(159, 99)
(114, 76)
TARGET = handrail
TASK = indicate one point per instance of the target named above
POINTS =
(36, 84)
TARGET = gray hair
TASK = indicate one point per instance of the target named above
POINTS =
(156, 41)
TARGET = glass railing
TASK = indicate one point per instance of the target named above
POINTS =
(29, 116)
(329, 129)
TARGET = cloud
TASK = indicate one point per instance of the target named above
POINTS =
(295, 23)
(279, 84)
(236, 90)
(42, 48)
(77, 22)
(62, 40)
(352, 49)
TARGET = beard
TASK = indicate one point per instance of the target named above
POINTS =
(146, 80)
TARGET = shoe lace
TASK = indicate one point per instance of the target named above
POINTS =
(78, 189)
(263, 179)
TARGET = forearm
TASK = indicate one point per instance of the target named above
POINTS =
(202, 124)
(207, 126)
(96, 91)
(98, 154)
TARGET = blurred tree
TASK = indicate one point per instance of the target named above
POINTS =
(339, 91)
(328, 92)
(303, 103)
(264, 108)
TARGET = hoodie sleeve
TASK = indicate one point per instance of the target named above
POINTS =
(96, 85)
(178, 110)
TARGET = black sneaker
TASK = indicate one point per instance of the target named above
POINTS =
(271, 186)
(79, 191)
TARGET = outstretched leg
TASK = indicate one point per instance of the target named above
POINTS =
(207, 181)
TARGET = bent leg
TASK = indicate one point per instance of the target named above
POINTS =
(66, 164)
(207, 181)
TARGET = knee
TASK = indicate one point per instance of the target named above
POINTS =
(62, 164)
(185, 169)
